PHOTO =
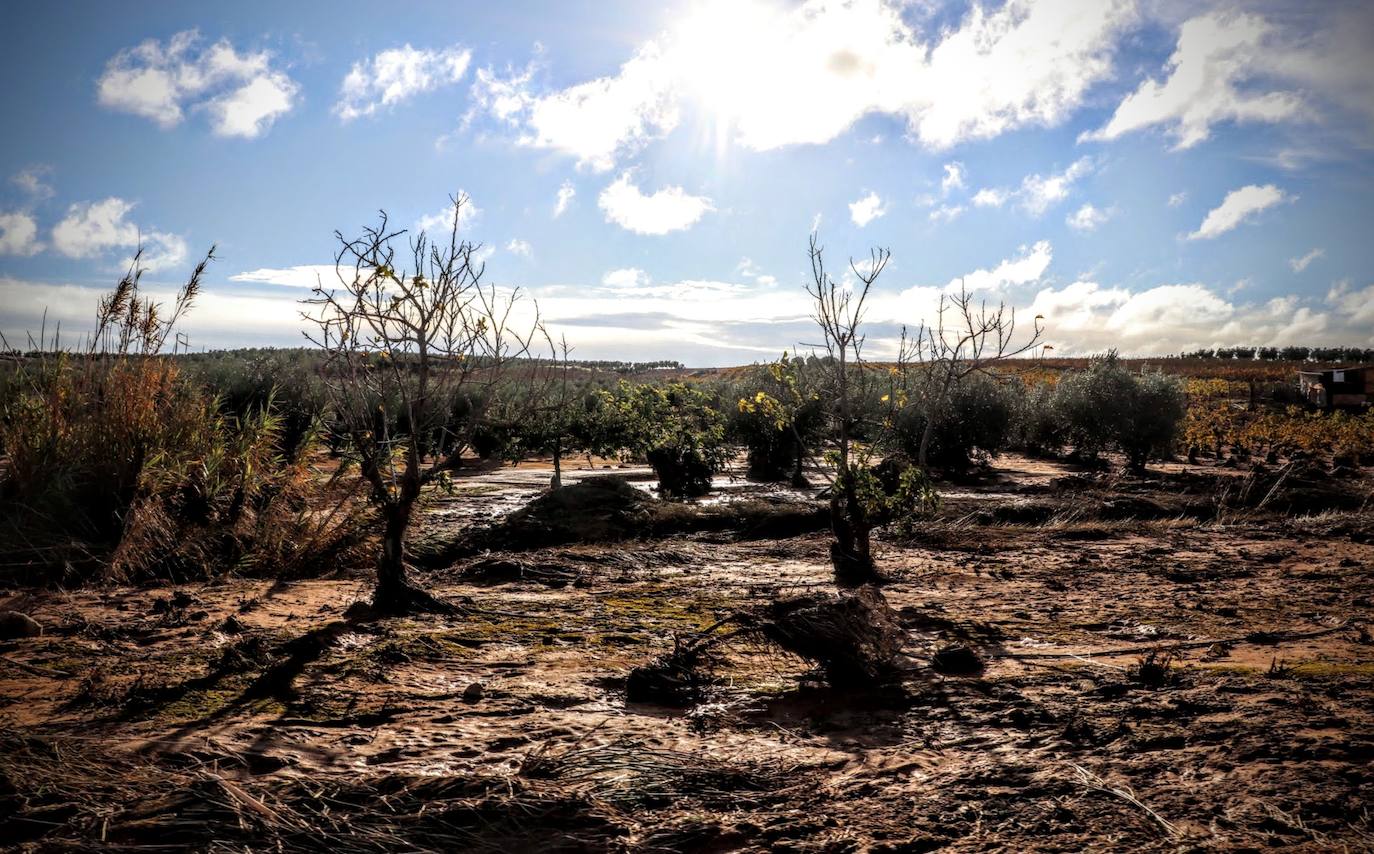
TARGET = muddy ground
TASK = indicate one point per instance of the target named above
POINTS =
(1159, 675)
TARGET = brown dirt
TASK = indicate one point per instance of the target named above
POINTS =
(1233, 735)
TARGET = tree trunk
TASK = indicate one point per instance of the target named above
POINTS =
(923, 455)
(851, 555)
(557, 481)
(798, 460)
(391, 566)
(395, 594)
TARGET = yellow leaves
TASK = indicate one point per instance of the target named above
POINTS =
(885, 398)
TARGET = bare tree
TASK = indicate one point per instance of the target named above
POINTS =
(401, 347)
(838, 310)
(965, 339)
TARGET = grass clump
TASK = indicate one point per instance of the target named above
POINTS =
(120, 468)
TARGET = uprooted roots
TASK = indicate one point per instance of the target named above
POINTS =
(855, 638)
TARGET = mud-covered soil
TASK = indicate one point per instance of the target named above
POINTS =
(1180, 676)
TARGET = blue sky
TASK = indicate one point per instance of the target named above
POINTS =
(1151, 176)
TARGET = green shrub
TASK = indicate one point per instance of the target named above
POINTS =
(1107, 406)
(779, 420)
(1036, 424)
(972, 424)
(1155, 413)
(673, 427)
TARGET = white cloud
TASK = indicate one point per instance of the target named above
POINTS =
(1356, 307)
(440, 223)
(217, 319)
(665, 210)
(769, 76)
(1037, 193)
(161, 251)
(1087, 218)
(1085, 317)
(242, 92)
(92, 229)
(625, 279)
(1238, 206)
(1211, 79)
(516, 246)
(1300, 264)
(866, 209)
(33, 181)
(1178, 198)
(990, 198)
(1029, 267)
(299, 276)
(250, 109)
(954, 177)
(946, 213)
(19, 234)
(593, 121)
(396, 75)
(566, 191)
(748, 268)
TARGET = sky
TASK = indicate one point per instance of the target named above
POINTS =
(1147, 176)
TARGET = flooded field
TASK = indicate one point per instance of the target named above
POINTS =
(1158, 680)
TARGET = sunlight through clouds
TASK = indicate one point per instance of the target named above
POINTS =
(771, 76)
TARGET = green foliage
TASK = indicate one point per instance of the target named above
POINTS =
(1154, 417)
(973, 423)
(675, 428)
(1036, 423)
(245, 380)
(779, 421)
(1107, 406)
(1092, 404)
(895, 493)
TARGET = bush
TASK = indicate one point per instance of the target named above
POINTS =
(675, 428)
(1036, 424)
(1107, 406)
(244, 381)
(1154, 415)
(1092, 404)
(778, 420)
(974, 423)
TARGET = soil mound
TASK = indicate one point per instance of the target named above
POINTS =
(608, 509)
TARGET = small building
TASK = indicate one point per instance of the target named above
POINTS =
(1338, 388)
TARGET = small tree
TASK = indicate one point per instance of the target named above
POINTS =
(1107, 406)
(860, 500)
(400, 347)
(1158, 405)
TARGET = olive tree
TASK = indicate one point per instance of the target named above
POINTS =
(400, 347)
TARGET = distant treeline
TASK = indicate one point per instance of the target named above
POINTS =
(1287, 354)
